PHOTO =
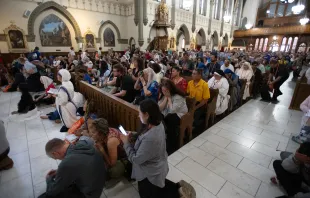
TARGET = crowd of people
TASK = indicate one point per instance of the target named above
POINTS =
(158, 82)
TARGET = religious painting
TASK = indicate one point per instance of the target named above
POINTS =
(89, 41)
(108, 38)
(54, 32)
(16, 39)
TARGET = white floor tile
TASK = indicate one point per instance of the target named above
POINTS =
(259, 138)
(231, 191)
(198, 141)
(213, 129)
(20, 187)
(250, 154)
(201, 192)
(269, 190)
(266, 150)
(121, 190)
(15, 130)
(201, 175)
(275, 136)
(262, 173)
(39, 188)
(176, 175)
(228, 127)
(176, 158)
(282, 146)
(37, 149)
(236, 138)
(40, 166)
(221, 153)
(237, 177)
(218, 140)
(18, 145)
(196, 154)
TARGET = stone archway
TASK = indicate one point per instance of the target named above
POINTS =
(214, 40)
(132, 42)
(225, 41)
(119, 38)
(54, 6)
(183, 30)
(201, 37)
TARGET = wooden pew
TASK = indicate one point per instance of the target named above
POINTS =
(301, 92)
(187, 120)
(115, 110)
(211, 106)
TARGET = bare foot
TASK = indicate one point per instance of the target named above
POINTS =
(58, 121)
(44, 117)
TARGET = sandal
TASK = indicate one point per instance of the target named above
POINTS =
(186, 190)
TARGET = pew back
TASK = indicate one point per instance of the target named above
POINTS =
(301, 92)
(115, 110)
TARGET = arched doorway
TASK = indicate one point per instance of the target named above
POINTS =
(225, 41)
(214, 41)
(182, 33)
(200, 39)
(132, 43)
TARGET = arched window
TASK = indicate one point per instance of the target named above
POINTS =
(274, 46)
(217, 9)
(265, 44)
(283, 45)
(294, 44)
(202, 7)
(289, 43)
(261, 44)
(256, 44)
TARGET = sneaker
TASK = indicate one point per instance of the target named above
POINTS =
(64, 129)
(186, 190)
(6, 163)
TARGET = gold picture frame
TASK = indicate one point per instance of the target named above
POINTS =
(16, 39)
(90, 41)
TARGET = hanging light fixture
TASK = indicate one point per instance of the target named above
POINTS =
(304, 21)
(297, 9)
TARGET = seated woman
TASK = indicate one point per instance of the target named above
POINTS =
(108, 142)
(148, 85)
(219, 81)
(26, 108)
(234, 86)
(45, 98)
(179, 81)
(246, 73)
(173, 106)
(103, 73)
(65, 107)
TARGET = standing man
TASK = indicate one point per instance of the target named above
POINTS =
(81, 172)
(213, 65)
(125, 83)
(278, 75)
(71, 53)
(199, 89)
(187, 65)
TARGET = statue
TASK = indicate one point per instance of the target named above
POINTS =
(162, 13)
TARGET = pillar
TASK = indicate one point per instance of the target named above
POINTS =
(210, 16)
(145, 19)
(173, 14)
(194, 16)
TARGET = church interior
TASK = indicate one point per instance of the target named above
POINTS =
(154, 98)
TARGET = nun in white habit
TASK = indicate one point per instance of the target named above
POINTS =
(64, 100)
(246, 73)
(219, 81)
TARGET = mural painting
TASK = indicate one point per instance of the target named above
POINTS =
(54, 32)
(16, 38)
(90, 41)
(108, 38)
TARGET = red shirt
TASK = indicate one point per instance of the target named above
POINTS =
(49, 87)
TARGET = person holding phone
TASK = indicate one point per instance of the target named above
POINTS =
(149, 157)
(147, 84)
(108, 142)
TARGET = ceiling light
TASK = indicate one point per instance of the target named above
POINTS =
(297, 9)
(248, 26)
(268, 11)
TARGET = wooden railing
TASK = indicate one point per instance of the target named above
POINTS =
(301, 92)
(115, 110)
(295, 29)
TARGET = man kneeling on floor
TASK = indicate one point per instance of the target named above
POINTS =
(80, 174)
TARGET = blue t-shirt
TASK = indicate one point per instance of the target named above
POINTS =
(201, 65)
(153, 88)
(87, 78)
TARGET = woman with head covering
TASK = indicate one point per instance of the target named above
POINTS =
(234, 86)
(219, 81)
(45, 98)
(147, 84)
(246, 73)
(64, 104)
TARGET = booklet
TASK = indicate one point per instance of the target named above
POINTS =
(71, 138)
(52, 91)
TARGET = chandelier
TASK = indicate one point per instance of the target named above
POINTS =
(297, 9)
(226, 18)
(304, 21)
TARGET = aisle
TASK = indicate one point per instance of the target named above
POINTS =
(231, 159)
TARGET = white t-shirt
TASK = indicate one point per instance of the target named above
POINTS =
(223, 68)
(56, 63)
(89, 65)
(72, 53)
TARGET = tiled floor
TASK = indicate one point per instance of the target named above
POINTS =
(232, 159)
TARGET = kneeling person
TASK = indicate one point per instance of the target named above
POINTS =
(81, 172)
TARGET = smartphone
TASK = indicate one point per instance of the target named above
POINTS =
(122, 130)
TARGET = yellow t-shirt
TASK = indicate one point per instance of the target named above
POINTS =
(200, 91)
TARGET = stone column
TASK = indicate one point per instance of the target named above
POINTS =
(194, 16)
(136, 19)
(140, 23)
(233, 22)
(173, 14)
(222, 17)
(145, 19)
(240, 13)
(210, 16)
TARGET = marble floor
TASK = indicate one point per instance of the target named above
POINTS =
(232, 159)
